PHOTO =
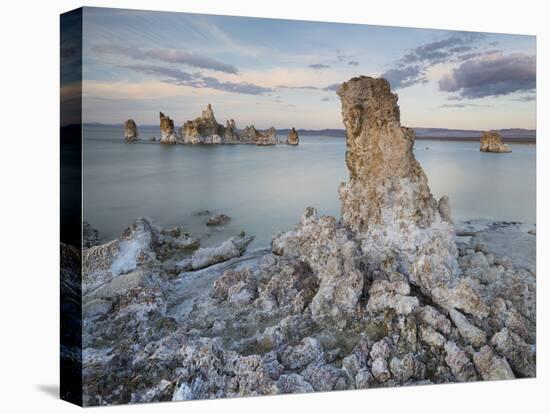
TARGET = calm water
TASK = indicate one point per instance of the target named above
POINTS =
(265, 189)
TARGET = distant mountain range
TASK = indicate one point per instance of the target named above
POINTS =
(509, 134)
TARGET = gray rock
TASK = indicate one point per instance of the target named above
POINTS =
(229, 249)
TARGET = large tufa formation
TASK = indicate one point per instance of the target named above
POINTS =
(206, 130)
(491, 141)
(387, 201)
(203, 130)
(130, 130)
(168, 135)
(230, 133)
(292, 138)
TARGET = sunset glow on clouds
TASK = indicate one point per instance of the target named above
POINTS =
(284, 73)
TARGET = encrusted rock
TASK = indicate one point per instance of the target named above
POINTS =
(238, 287)
(303, 354)
(332, 255)
(519, 354)
(218, 219)
(490, 366)
(130, 130)
(491, 141)
(229, 249)
(293, 383)
(203, 129)
(384, 294)
(167, 133)
(387, 201)
(469, 332)
(292, 138)
(460, 363)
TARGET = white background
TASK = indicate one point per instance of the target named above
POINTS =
(29, 159)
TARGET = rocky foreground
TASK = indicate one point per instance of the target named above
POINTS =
(491, 141)
(387, 295)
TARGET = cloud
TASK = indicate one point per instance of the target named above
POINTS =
(318, 66)
(333, 87)
(353, 63)
(341, 57)
(492, 75)
(461, 105)
(310, 87)
(403, 77)
(177, 56)
(412, 67)
(196, 80)
(526, 98)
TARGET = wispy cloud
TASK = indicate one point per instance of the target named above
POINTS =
(175, 56)
(412, 67)
(462, 105)
(353, 63)
(196, 80)
(319, 66)
(526, 98)
(333, 87)
(492, 76)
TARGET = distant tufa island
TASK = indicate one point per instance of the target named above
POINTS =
(206, 130)
(491, 141)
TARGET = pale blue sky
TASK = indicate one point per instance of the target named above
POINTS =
(282, 72)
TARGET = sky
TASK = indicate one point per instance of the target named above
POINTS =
(284, 73)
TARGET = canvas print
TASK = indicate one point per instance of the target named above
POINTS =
(260, 206)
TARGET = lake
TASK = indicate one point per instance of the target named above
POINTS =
(266, 189)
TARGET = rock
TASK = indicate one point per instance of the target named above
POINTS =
(444, 208)
(491, 141)
(363, 379)
(490, 366)
(387, 201)
(293, 383)
(406, 368)
(460, 363)
(218, 219)
(431, 337)
(380, 370)
(391, 295)
(229, 249)
(230, 133)
(469, 332)
(519, 354)
(326, 377)
(238, 287)
(300, 356)
(430, 316)
(380, 350)
(130, 130)
(168, 135)
(203, 129)
(292, 138)
(331, 254)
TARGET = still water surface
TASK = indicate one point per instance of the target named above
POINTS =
(265, 189)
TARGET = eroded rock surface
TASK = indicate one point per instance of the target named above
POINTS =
(292, 138)
(130, 130)
(167, 132)
(206, 130)
(491, 141)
